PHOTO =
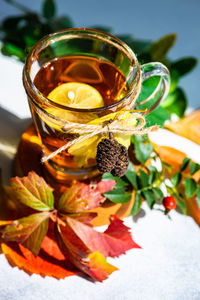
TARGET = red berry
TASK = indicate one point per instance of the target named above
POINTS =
(169, 203)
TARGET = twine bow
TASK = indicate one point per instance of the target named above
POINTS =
(117, 126)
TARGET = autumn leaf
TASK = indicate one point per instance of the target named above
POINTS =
(81, 196)
(99, 267)
(116, 240)
(50, 262)
(105, 186)
(85, 217)
(23, 240)
(10, 208)
(93, 264)
(33, 191)
(4, 222)
(29, 231)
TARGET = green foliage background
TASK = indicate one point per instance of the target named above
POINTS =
(19, 33)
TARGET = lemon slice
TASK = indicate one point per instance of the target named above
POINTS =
(76, 95)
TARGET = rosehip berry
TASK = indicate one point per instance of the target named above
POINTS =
(169, 203)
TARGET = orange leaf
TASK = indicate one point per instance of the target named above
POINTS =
(50, 261)
(170, 155)
(189, 126)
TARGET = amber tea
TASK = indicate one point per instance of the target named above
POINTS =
(104, 84)
(100, 74)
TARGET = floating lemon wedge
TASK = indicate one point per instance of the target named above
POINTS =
(76, 95)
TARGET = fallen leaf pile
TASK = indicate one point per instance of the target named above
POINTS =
(56, 238)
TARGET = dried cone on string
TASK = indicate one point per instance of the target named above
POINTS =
(112, 157)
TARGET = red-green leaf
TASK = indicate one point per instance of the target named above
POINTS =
(116, 240)
(33, 191)
(80, 196)
(29, 231)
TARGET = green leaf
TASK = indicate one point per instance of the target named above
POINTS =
(33, 191)
(153, 174)
(158, 116)
(169, 100)
(143, 178)
(182, 206)
(29, 231)
(149, 197)
(63, 22)
(198, 196)
(174, 76)
(11, 22)
(190, 187)
(119, 181)
(179, 104)
(180, 201)
(48, 9)
(137, 204)
(9, 49)
(184, 164)
(176, 179)
(184, 65)
(158, 194)
(148, 87)
(131, 175)
(143, 151)
(118, 196)
(194, 167)
(138, 46)
(159, 49)
(167, 166)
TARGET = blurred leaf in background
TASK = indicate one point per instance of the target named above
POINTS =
(19, 33)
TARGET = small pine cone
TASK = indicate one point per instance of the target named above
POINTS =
(122, 162)
(108, 151)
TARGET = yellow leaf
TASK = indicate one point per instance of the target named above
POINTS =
(84, 150)
(3, 223)
(99, 267)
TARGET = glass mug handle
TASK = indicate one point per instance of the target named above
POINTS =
(156, 69)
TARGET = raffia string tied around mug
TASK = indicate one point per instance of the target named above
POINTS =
(117, 125)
